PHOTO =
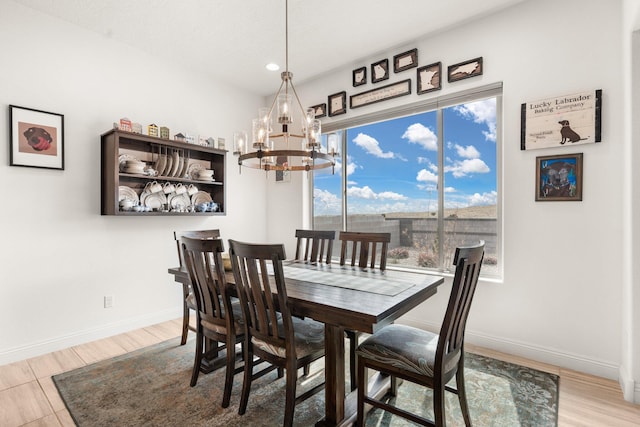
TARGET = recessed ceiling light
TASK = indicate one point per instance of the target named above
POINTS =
(272, 66)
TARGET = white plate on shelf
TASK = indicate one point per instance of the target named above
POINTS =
(122, 159)
(155, 200)
(185, 166)
(175, 163)
(201, 197)
(193, 168)
(125, 192)
(177, 200)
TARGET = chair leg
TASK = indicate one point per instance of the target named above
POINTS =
(352, 336)
(305, 370)
(246, 383)
(185, 317)
(462, 393)
(290, 401)
(438, 404)
(362, 389)
(230, 368)
(198, 359)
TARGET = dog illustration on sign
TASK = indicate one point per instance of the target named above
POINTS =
(567, 133)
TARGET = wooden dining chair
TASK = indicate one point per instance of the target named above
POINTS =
(314, 245)
(271, 332)
(422, 357)
(218, 318)
(188, 301)
(364, 247)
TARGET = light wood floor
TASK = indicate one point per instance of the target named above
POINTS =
(28, 396)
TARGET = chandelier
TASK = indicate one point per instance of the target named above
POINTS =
(285, 150)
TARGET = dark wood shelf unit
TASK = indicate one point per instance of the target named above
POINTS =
(146, 148)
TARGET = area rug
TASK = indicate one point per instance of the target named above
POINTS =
(150, 387)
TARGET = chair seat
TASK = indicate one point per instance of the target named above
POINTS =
(238, 320)
(309, 337)
(404, 347)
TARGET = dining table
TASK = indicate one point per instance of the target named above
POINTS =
(345, 297)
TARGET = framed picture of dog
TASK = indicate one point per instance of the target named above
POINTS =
(37, 138)
(561, 121)
(559, 178)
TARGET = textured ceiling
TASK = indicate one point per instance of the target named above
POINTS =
(233, 40)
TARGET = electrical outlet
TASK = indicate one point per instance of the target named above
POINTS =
(108, 301)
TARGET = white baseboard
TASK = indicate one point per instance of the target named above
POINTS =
(630, 389)
(80, 337)
(523, 349)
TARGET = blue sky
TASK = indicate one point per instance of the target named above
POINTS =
(392, 166)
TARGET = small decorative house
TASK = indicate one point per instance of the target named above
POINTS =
(164, 132)
(136, 128)
(221, 143)
(179, 137)
(125, 124)
(152, 129)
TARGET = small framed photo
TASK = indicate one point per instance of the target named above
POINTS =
(559, 178)
(337, 103)
(320, 110)
(429, 78)
(405, 60)
(465, 70)
(37, 138)
(359, 76)
(380, 71)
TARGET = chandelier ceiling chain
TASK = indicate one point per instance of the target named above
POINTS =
(273, 151)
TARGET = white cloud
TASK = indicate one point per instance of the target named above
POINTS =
(361, 192)
(326, 202)
(481, 112)
(426, 176)
(467, 167)
(367, 193)
(351, 167)
(468, 152)
(371, 146)
(391, 195)
(449, 190)
(484, 199)
(417, 133)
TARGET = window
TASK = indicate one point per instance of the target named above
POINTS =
(430, 178)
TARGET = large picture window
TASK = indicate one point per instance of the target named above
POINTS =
(429, 178)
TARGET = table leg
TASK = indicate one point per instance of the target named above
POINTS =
(334, 376)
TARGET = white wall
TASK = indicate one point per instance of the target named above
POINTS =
(560, 300)
(630, 366)
(60, 257)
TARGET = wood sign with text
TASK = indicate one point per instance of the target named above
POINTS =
(561, 121)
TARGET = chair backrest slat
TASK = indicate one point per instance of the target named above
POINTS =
(317, 244)
(368, 244)
(256, 269)
(203, 261)
(468, 261)
(196, 234)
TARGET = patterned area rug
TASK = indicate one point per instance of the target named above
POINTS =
(150, 387)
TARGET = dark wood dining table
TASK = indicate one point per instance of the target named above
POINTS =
(345, 297)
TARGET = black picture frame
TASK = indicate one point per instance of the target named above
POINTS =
(37, 138)
(380, 71)
(320, 110)
(405, 60)
(383, 93)
(359, 76)
(337, 103)
(465, 70)
(429, 78)
(559, 178)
